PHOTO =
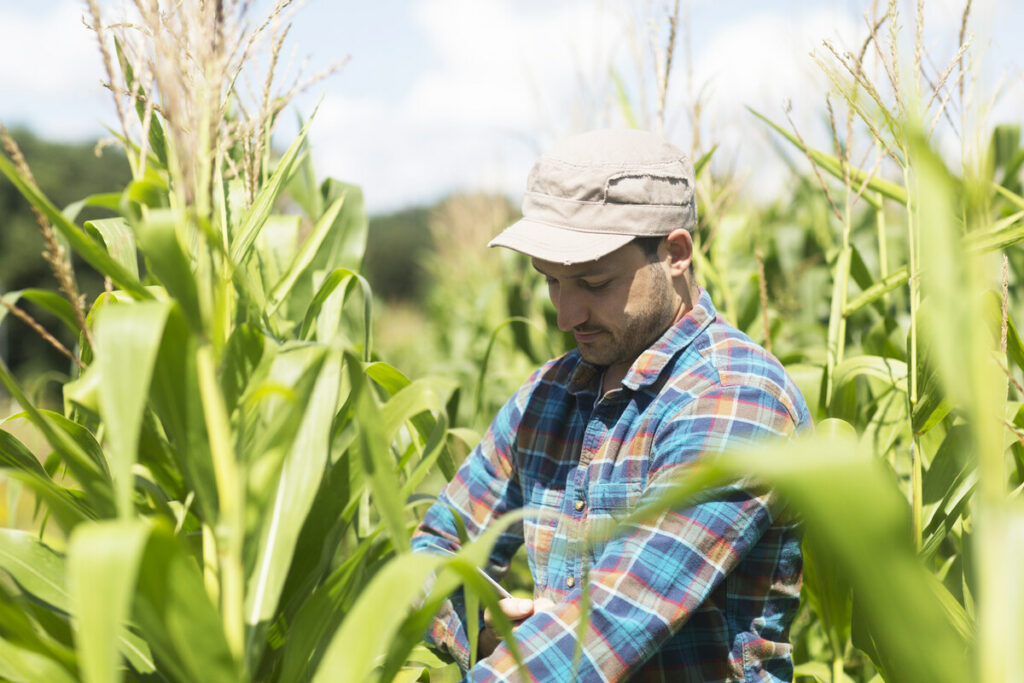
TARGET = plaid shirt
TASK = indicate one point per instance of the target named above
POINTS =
(704, 593)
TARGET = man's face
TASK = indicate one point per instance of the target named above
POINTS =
(616, 307)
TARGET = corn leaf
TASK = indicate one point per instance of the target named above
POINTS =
(174, 397)
(157, 141)
(296, 490)
(831, 164)
(897, 596)
(257, 214)
(119, 239)
(305, 256)
(37, 568)
(175, 616)
(127, 338)
(324, 312)
(88, 473)
(48, 301)
(375, 454)
(158, 239)
(94, 254)
(102, 564)
(318, 619)
(104, 200)
(622, 98)
(346, 243)
(1004, 233)
(22, 665)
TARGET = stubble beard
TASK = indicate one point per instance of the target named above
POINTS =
(639, 330)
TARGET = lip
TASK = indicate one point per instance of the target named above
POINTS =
(587, 337)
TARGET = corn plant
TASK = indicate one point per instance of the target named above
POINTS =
(226, 495)
(922, 360)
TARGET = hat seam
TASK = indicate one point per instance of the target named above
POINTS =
(617, 164)
(605, 202)
(572, 228)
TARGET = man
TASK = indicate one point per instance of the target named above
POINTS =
(658, 382)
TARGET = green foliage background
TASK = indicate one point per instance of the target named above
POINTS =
(267, 401)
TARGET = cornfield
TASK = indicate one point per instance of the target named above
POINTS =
(229, 488)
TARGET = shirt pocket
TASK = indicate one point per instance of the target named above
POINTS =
(610, 502)
(539, 532)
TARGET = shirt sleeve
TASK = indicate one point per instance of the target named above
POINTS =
(650, 579)
(484, 487)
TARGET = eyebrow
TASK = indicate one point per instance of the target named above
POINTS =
(579, 276)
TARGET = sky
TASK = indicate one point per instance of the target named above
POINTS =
(447, 95)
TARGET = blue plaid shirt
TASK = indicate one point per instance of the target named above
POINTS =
(704, 593)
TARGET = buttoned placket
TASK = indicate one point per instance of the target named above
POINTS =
(594, 434)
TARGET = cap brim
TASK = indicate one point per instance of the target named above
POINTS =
(558, 245)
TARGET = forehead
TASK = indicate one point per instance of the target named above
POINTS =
(623, 260)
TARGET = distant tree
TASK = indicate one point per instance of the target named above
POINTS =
(65, 172)
(395, 249)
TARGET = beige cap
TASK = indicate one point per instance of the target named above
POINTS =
(594, 192)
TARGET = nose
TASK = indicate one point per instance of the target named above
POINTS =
(571, 309)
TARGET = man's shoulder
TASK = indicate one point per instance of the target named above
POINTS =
(723, 358)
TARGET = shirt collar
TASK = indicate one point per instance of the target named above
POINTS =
(648, 366)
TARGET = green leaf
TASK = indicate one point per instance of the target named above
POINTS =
(375, 454)
(37, 569)
(819, 671)
(65, 508)
(831, 164)
(305, 256)
(303, 188)
(346, 244)
(119, 239)
(49, 301)
(893, 280)
(157, 234)
(21, 665)
(1003, 233)
(296, 490)
(93, 253)
(175, 616)
(127, 338)
(622, 98)
(15, 454)
(419, 396)
(157, 141)
(317, 620)
(103, 561)
(828, 592)
(90, 475)
(482, 374)
(326, 318)
(106, 200)
(703, 161)
(888, 371)
(264, 202)
(894, 590)
(174, 397)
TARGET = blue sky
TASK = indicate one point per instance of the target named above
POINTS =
(442, 95)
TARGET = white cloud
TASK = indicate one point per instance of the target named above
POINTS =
(52, 70)
(473, 121)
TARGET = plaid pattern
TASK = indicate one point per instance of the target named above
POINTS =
(705, 593)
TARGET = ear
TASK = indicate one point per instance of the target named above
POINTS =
(679, 244)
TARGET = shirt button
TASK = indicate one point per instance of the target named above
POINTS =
(570, 582)
(579, 505)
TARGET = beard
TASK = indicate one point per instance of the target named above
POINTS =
(638, 331)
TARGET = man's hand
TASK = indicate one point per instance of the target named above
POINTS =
(516, 609)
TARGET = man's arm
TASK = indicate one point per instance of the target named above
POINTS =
(647, 582)
(483, 489)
